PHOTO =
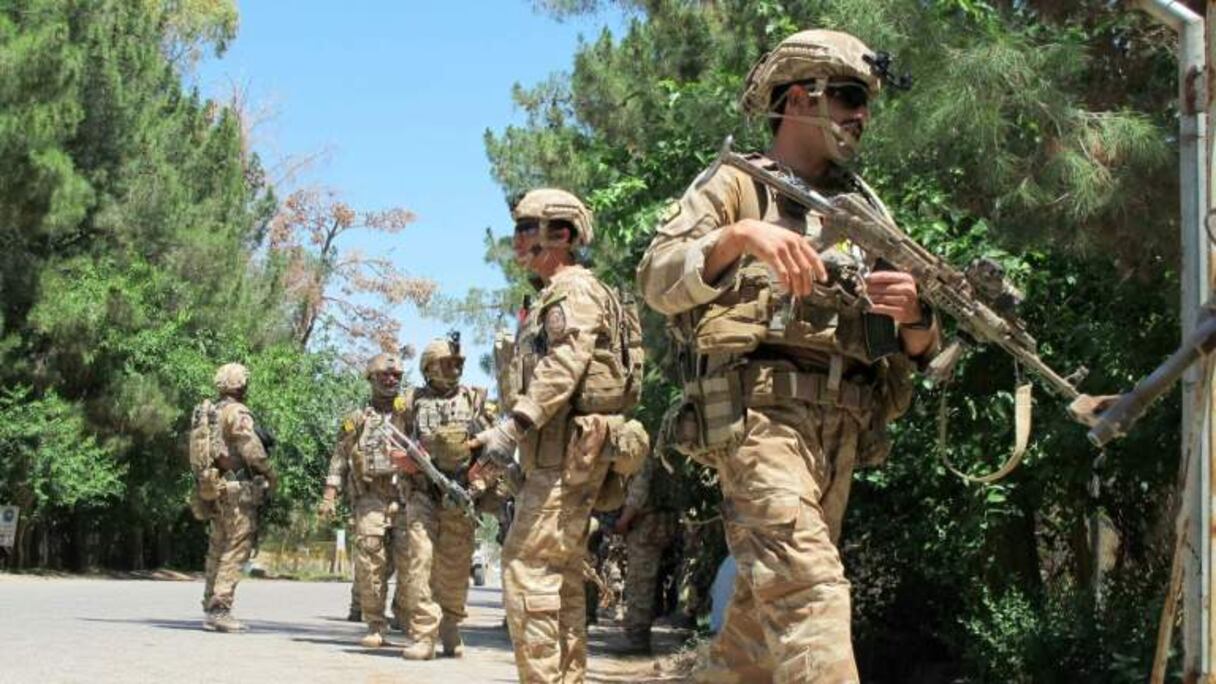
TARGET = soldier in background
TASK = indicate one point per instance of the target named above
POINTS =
(233, 486)
(364, 461)
(785, 400)
(439, 416)
(649, 523)
(570, 385)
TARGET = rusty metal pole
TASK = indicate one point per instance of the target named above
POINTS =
(1194, 150)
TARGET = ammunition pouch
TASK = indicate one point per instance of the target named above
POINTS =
(446, 446)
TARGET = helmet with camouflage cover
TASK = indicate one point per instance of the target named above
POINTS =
(433, 371)
(384, 372)
(547, 205)
(815, 58)
(231, 378)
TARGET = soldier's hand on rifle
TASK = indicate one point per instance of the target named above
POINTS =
(894, 294)
(787, 253)
(402, 461)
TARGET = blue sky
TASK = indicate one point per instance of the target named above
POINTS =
(400, 94)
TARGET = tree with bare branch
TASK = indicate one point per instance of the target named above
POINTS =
(343, 289)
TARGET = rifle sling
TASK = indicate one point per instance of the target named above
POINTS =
(1021, 427)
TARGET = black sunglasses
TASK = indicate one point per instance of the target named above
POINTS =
(527, 227)
(851, 95)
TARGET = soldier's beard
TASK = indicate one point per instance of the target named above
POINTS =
(443, 384)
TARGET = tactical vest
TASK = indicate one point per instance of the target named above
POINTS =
(753, 311)
(612, 381)
(441, 424)
(370, 459)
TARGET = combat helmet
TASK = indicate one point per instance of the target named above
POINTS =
(815, 58)
(550, 204)
(387, 367)
(231, 378)
(436, 351)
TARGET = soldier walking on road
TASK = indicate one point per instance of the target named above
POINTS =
(441, 535)
(785, 407)
(233, 476)
(364, 461)
(573, 375)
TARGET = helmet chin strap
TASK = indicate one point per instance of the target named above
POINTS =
(840, 144)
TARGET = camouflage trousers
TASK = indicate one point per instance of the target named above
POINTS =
(380, 548)
(542, 576)
(356, 604)
(228, 549)
(441, 552)
(644, 546)
(784, 493)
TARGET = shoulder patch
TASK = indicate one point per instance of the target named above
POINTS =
(555, 322)
(400, 404)
(348, 425)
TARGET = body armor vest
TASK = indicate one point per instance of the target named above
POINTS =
(756, 311)
(371, 459)
(441, 424)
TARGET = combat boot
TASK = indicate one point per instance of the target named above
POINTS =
(449, 636)
(355, 614)
(375, 636)
(421, 649)
(222, 621)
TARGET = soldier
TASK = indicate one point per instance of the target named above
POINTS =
(441, 536)
(571, 382)
(365, 454)
(649, 523)
(240, 477)
(786, 407)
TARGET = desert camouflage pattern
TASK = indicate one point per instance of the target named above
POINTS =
(651, 533)
(359, 464)
(550, 204)
(543, 585)
(233, 527)
(230, 377)
(813, 54)
(441, 537)
(782, 431)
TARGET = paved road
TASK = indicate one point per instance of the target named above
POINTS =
(132, 631)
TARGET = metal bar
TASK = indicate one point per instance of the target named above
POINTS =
(1194, 179)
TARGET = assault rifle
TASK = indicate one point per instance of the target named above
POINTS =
(452, 492)
(1117, 420)
(945, 288)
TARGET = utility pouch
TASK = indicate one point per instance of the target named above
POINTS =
(709, 422)
(737, 321)
(880, 336)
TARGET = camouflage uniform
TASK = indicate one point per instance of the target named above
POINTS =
(568, 380)
(783, 409)
(245, 468)
(441, 537)
(361, 461)
(654, 529)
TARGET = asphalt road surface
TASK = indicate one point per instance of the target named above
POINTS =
(132, 631)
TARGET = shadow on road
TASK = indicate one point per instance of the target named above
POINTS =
(255, 626)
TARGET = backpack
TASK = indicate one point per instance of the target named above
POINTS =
(206, 442)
